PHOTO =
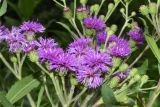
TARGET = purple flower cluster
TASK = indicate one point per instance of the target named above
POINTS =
(94, 23)
(88, 64)
(16, 38)
(118, 47)
(137, 35)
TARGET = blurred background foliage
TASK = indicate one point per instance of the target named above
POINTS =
(48, 13)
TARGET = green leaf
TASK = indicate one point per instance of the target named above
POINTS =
(40, 96)
(26, 7)
(108, 96)
(145, 24)
(159, 68)
(22, 88)
(4, 101)
(143, 68)
(152, 44)
(3, 8)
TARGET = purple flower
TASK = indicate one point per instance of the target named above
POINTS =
(119, 47)
(98, 61)
(101, 37)
(94, 23)
(63, 62)
(80, 47)
(15, 39)
(28, 46)
(43, 43)
(137, 35)
(83, 9)
(122, 75)
(89, 77)
(3, 32)
(31, 26)
(49, 54)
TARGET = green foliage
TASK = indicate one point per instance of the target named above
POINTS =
(152, 44)
(4, 101)
(108, 96)
(143, 68)
(3, 8)
(22, 88)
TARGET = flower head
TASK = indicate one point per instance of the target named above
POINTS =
(122, 75)
(137, 35)
(43, 43)
(80, 47)
(89, 77)
(31, 26)
(63, 62)
(94, 23)
(101, 37)
(15, 39)
(119, 47)
(49, 54)
(3, 32)
(98, 61)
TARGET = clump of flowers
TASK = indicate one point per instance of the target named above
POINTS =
(96, 57)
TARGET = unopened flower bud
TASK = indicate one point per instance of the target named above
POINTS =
(144, 79)
(110, 32)
(137, 77)
(110, 6)
(83, 2)
(123, 67)
(114, 82)
(153, 8)
(73, 81)
(33, 56)
(89, 32)
(116, 62)
(116, 1)
(13, 59)
(144, 10)
(82, 13)
(67, 13)
(94, 8)
(102, 17)
(133, 13)
(133, 72)
(114, 28)
(122, 10)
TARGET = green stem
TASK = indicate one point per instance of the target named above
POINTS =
(102, 2)
(48, 95)
(8, 65)
(71, 94)
(31, 101)
(139, 56)
(72, 21)
(59, 3)
(64, 87)
(154, 96)
(79, 95)
(110, 12)
(86, 100)
(127, 19)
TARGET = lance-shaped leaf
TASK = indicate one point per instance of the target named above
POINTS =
(143, 68)
(3, 8)
(108, 96)
(152, 44)
(22, 88)
(4, 101)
